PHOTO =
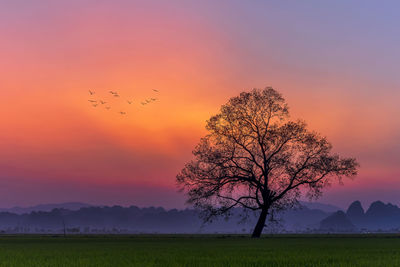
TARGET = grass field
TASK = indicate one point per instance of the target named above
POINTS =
(167, 250)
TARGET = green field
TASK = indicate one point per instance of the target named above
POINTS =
(180, 250)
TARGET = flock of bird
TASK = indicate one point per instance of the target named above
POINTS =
(115, 94)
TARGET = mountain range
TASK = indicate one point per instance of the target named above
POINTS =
(378, 217)
(79, 205)
(46, 207)
(75, 217)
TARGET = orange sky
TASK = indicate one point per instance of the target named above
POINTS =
(54, 146)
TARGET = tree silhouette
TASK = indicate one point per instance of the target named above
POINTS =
(254, 157)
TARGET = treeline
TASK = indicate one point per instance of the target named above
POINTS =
(379, 217)
(114, 219)
(133, 219)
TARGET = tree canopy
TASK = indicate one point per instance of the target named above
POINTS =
(256, 158)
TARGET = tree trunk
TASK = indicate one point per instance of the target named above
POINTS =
(260, 224)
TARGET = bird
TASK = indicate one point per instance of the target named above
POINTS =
(116, 95)
(129, 102)
(108, 108)
(102, 102)
(122, 113)
(147, 101)
(155, 90)
(153, 99)
(91, 92)
(92, 101)
(113, 93)
(94, 105)
(143, 103)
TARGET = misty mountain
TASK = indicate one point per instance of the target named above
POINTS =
(355, 213)
(320, 206)
(46, 207)
(78, 205)
(378, 217)
(337, 222)
(84, 218)
(133, 219)
(298, 220)
(381, 216)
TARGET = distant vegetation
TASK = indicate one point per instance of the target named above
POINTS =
(379, 217)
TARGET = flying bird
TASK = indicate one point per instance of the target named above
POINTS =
(91, 92)
(155, 90)
(102, 102)
(108, 108)
(153, 99)
(116, 95)
(94, 105)
(113, 93)
(92, 101)
(122, 113)
(129, 102)
(143, 103)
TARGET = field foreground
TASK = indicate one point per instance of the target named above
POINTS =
(185, 250)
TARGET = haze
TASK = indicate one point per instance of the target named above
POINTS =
(336, 64)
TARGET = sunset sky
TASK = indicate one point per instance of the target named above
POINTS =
(337, 64)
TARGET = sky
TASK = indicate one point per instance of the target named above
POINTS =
(335, 62)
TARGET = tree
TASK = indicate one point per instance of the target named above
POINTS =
(255, 158)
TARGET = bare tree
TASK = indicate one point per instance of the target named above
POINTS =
(254, 157)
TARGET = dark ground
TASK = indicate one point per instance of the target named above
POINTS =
(201, 250)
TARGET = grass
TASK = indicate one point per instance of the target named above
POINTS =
(201, 250)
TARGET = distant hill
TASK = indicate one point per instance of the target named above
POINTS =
(355, 213)
(132, 219)
(379, 217)
(84, 218)
(320, 206)
(77, 205)
(337, 222)
(46, 207)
